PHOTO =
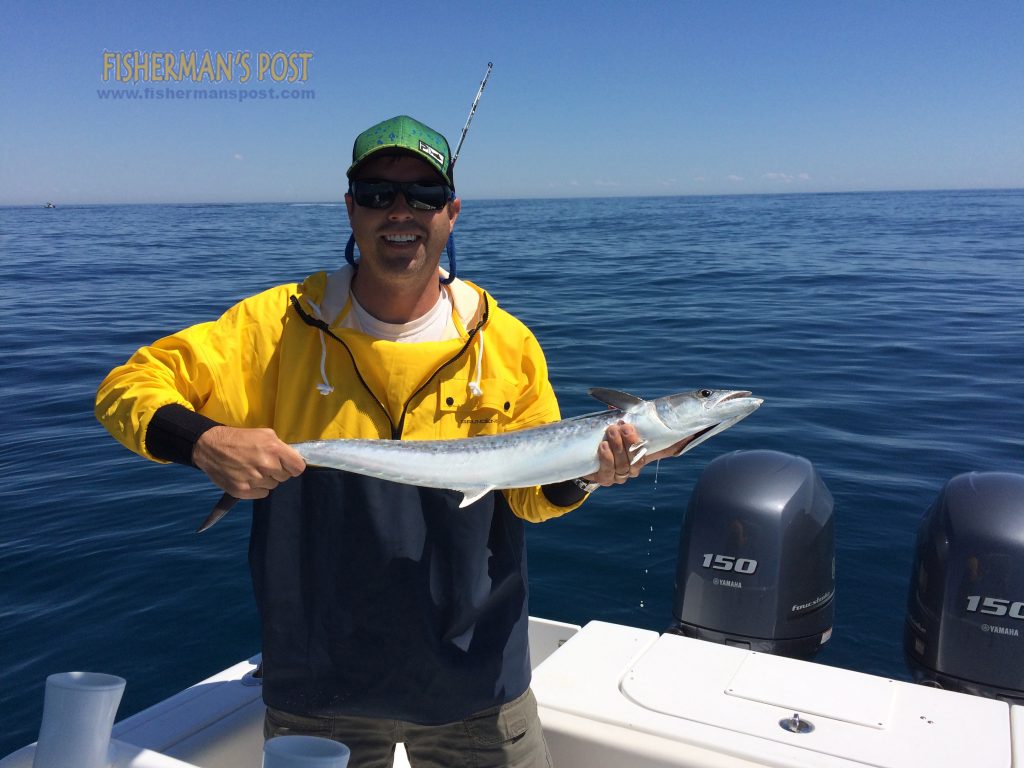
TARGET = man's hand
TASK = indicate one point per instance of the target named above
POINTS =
(247, 463)
(618, 464)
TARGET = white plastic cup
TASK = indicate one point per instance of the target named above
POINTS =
(304, 752)
(78, 713)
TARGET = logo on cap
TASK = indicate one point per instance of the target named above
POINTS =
(429, 150)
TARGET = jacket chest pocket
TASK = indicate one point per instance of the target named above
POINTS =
(470, 414)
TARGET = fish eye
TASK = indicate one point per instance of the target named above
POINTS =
(705, 393)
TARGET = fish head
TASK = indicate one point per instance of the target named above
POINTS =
(693, 412)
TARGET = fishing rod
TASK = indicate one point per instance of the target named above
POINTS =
(472, 111)
(450, 245)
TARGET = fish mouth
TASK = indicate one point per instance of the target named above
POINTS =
(736, 395)
(734, 413)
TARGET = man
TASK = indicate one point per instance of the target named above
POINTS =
(388, 613)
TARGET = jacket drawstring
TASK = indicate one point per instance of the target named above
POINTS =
(324, 387)
(474, 386)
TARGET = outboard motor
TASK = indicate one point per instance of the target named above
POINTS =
(756, 565)
(965, 613)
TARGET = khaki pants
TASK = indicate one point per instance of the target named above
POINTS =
(508, 736)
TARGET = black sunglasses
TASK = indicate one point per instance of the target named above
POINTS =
(372, 193)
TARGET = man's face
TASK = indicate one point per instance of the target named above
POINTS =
(400, 242)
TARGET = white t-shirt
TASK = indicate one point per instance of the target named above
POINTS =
(435, 325)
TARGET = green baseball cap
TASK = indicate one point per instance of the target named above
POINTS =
(408, 135)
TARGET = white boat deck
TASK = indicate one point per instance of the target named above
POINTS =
(612, 695)
(729, 703)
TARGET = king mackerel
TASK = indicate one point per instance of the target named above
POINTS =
(551, 453)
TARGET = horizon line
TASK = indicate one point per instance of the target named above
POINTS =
(45, 204)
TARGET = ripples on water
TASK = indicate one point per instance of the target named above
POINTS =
(883, 330)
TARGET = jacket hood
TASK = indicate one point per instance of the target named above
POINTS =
(329, 293)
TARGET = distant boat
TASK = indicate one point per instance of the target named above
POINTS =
(49, 205)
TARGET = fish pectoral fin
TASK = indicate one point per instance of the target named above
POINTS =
(469, 495)
(616, 399)
(637, 451)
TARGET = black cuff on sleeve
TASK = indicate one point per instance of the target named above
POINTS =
(563, 494)
(173, 433)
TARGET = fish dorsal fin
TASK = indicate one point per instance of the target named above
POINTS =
(614, 398)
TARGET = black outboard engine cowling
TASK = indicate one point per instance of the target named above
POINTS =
(756, 565)
(965, 612)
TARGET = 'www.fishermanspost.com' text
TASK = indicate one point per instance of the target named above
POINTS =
(205, 94)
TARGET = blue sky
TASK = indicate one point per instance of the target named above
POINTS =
(586, 99)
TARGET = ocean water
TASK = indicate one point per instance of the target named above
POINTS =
(885, 332)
